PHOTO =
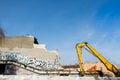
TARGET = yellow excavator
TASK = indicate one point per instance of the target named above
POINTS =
(108, 65)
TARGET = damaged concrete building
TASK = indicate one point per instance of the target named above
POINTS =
(26, 50)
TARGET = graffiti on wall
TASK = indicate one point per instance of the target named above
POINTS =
(29, 61)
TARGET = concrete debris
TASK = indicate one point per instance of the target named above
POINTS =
(21, 77)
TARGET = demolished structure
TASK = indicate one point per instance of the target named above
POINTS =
(25, 51)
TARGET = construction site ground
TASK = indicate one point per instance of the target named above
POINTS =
(30, 77)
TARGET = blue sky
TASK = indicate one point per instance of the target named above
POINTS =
(61, 24)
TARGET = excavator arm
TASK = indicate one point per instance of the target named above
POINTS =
(108, 65)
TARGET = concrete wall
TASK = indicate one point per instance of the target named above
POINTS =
(26, 45)
(17, 41)
(26, 48)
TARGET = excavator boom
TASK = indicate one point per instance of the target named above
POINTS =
(108, 65)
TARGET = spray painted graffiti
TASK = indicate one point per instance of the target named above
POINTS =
(11, 69)
(29, 61)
